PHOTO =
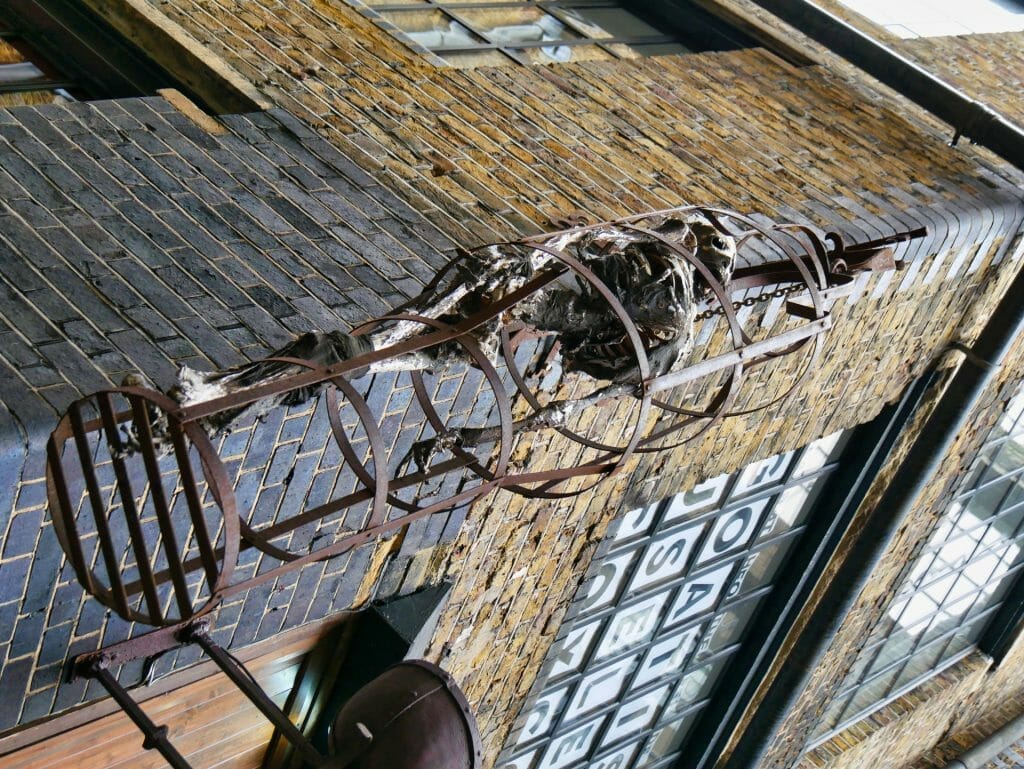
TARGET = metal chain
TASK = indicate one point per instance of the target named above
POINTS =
(750, 301)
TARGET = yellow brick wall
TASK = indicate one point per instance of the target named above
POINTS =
(986, 67)
(493, 153)
(902, 729)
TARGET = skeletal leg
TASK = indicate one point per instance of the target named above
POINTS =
(555, 414)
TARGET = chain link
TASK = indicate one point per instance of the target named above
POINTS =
(750, 301)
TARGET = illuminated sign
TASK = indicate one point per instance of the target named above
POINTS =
(661, 615)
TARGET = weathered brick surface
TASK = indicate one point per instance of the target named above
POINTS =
(900, 729)
(986, 67)
(133, 241)
(741, 129)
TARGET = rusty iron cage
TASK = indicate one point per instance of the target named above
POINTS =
(155, 533)
(143, 499)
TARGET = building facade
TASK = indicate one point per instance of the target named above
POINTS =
(307, 166)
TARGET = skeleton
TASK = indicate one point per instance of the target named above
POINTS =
(658, 288)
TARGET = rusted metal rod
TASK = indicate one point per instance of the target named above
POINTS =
(243, 680)
(155, 737)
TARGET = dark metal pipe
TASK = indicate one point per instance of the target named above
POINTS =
(968, 117)
(155, 736)
(241, 678)
(933, 442)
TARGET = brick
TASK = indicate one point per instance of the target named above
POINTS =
(55, 645)
(12, 586)
(27, 634)
(270, 301)
(22, 534)
(14, 678)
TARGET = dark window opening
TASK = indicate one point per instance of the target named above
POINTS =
(534, 31)
(57, 50)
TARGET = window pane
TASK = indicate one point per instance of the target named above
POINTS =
(920, 665)
(516, 25)
(569, 654)
(731, 627)
(763, 473)
(569, 748)
(819, 453)
(635, 523)
(694, 687)
(631, 626)
(992, 498)
(666, 740)
(606, 585)
(609, 22)
(791, 507)
(542, 717)
(600, 687)
(895, 649)
(667, 657)
(759, 569)
(703, 496)
(20, 73)
(968, 565)
(733, 530)
(666, 558)
(433, 29)
(699, 595)
(524, 761)
(634, 716)
(872, 692)
(617, 759)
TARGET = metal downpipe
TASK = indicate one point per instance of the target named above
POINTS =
(927, 451)
(967, 116)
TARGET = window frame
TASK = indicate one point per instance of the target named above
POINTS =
(79, 52)
(1000, 616)
(701, 21)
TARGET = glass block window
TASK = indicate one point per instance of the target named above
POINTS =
(970, 563)
(658, 622)
(486, 32)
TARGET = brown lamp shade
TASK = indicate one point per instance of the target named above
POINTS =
(412, 716)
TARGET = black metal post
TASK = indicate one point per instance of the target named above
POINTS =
(242, 679)
(155, 736)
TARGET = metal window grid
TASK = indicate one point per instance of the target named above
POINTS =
(49, 80)
(561, 10)
(997, 550)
